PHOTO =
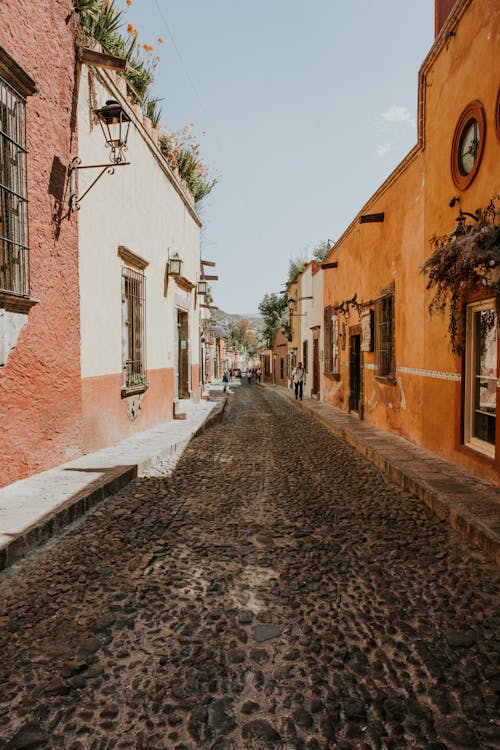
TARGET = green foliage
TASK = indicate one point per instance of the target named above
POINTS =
(103, 22)
(295, 268)
(321, 250)
(462, 263)
(240, 337)
(272, 308)
(182, 152)
(152, 110)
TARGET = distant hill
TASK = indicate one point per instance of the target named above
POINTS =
(225, 320)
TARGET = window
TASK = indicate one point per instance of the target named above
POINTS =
(384, 317)
(134, 331)
(14, 253)
(481, 376)
(305, 362)
(331, 343)
(282, 368)
(468, 144)
(335, 345)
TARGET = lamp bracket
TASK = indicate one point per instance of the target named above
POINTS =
(476, 215)
(74, 198)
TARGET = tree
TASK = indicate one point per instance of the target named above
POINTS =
(272, 308)
(240, 336)
(321, 250)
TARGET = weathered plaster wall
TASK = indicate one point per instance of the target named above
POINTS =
(464, 69)
(371, 256)
(40, 406)
(425, 404)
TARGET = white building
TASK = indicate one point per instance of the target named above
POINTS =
(311, 322)
(140, 335)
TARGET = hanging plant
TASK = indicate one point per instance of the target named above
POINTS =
(460, 264)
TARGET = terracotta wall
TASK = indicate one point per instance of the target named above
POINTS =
(462, 71)
(371, 256)
(101, 396)
(425, 403)
(195, 383)
(40, 383)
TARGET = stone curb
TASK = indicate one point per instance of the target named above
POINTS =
(444, 505)
(95, 492)
(72, 509)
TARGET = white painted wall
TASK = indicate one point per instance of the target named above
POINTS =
(311, 285)
(140, 208)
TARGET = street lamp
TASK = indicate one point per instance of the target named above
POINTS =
(202, 286)
(115, 124)
(291, 305)
(174, 265)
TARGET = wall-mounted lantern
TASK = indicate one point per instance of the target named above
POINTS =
(174, 265)
(202, 286)
(291, 305)
(462, 226)
(115, 124)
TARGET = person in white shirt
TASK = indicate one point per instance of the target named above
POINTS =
(299, 378)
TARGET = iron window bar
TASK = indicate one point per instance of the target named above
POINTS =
(14, 248)
(134, 363)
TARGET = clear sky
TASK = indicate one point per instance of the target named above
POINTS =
(307, 108)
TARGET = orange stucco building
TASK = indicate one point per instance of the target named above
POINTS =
(386, 357)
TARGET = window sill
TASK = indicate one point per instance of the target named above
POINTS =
(332, 375)
(480, 448)
(134, 390)
(16, 303)
(386, 379)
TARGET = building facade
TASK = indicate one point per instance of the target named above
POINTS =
(40, 402)
(387, 357)
(139, 265)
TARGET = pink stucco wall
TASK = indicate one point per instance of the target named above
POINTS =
(40, 403)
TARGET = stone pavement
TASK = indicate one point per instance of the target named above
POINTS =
(275, 591)
(34, 509)
(470, 505)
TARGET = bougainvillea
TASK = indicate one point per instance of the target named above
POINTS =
(459, 264)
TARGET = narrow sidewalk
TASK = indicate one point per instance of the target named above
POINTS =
(34, 509)
(470, 505)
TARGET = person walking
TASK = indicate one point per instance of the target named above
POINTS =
(299, 379)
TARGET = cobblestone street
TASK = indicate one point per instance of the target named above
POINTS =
(274, 591)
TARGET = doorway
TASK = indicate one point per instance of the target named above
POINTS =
(315, 372)
(355, 373)
(182, 355)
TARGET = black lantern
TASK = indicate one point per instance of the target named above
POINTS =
(291, 305)
(202, 287)
(115, 124)
(174, 265)
(462, 227)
